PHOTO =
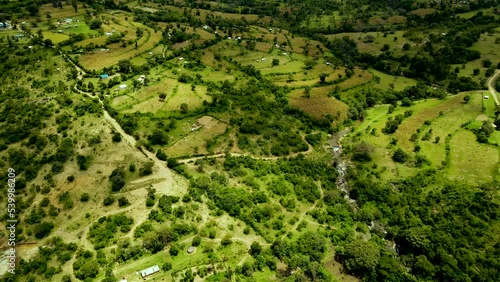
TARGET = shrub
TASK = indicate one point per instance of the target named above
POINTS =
(83, 162)
(117, 179)
(226, 241)
(174, 250)
(400, 156)
(43, 229)
(122, 202)
(158, 138)
(161, 155)
(196, 241)
(95, 24)
(362, 152)
(166, 266)
(85, 197)
(66, 200)
(116, 137)
(147, 169)
(108, 201)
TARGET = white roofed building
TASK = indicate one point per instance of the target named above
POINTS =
(149, 271)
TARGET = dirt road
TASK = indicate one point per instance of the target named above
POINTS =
(491, 86)
(222, 155)
(170, 183)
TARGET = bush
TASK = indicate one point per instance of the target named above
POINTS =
(487, 63)
(83, 162)
(174, 250)
(85, 197)
(66, 200)
(166, 266)
(406, 102)
(117, 179)
(161, 155)
(116, 137)
(122, 202)
(95, 24)
(400, 156)
(57, 167)
(43, 229)
(147, 169)
(108, 201)
(226, 241)
(313, 139)
(362, 152)
(158, 138)
(70, 178)
(196, 241)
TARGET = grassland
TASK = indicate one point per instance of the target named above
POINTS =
(196, 138)
(379, 41)
(446, 118)
(471, 161)
(397, 83)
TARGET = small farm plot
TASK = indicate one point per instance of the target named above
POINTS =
(115, 52)
(200, 132)
(66, 11)
(55, 37)
(319, 105)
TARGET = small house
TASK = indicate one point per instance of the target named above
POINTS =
(123, 86)
(191, 250)
(20, 35)
(150, 271)
(486, 97)
(104, 76)
(4, 24)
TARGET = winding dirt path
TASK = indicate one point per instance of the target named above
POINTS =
(491, 86)
(169, 183)
(222, 155)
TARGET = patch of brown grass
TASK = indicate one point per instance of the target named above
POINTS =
(422, 12)
(319, 105)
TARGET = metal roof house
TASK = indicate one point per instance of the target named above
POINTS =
(104, 75)
(149, 271)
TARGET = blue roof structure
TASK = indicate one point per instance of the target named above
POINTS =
(104, 75)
